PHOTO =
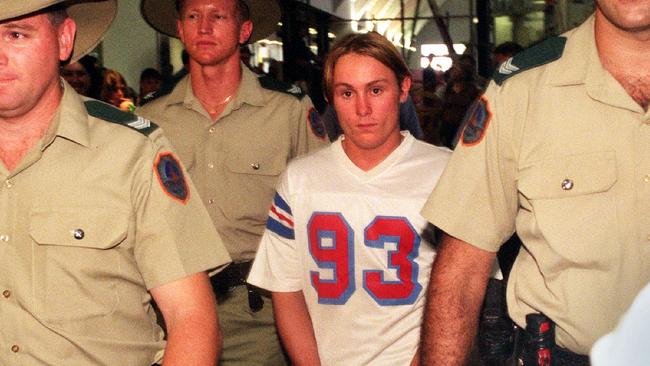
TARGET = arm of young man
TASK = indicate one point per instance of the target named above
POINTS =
(455, 294)
(189, 309)
(295, 327)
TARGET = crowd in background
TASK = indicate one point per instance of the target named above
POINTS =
(441, 99)
(89, 78)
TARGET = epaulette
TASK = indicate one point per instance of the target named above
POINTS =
(540, 54)
(111, 114)
(270, 83)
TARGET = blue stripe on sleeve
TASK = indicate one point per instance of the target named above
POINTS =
(277, 227)
(279, 202)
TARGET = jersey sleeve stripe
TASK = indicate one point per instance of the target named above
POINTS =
(281, 203)
(280, 219)
(280, 229)
(277, 214)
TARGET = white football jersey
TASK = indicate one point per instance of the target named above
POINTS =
(351, 241)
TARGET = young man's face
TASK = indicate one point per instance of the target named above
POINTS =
(30, 50)
(211, 31)
(366, 97)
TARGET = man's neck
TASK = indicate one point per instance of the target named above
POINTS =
(625, 55)
(367, 159)
(20, 132)
(215, 85)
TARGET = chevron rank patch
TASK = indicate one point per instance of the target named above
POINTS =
(171, 177)
(111, 114)
(477, 120)
(540, 54)
(315, 123)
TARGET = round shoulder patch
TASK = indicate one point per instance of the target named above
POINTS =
(477, 121)
(315, 123)
(171, 178)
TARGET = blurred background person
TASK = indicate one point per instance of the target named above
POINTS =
(114, 91)
(150, 82)
(461, 91)
(83, 76)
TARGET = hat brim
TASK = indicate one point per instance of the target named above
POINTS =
(93, 18)
(161, 15)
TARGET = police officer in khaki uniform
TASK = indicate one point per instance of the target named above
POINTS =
(97, 217)
(236, 135)
(558, 149)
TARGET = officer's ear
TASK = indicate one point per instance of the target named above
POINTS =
(245, 31)
(180, 31)
(65, 36)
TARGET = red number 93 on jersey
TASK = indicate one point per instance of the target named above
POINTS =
(391, 281)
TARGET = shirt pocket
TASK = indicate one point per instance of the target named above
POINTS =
(251, 179)
(573, 204)
(76, 263)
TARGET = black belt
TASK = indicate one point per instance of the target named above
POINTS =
(232, 276)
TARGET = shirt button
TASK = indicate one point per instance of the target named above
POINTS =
(646, 178)
(15, 348)
(210, 165)
(212, 129)
(9, 183)
(78, 234)
(4, 238)
(6, 293)
(210, 201)
(567, 184)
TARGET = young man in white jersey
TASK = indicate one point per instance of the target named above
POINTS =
(342, 252)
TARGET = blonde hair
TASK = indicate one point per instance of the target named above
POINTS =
(370, 44)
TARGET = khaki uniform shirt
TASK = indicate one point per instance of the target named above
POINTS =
(85, 230)
(565, 160)
(237, 159)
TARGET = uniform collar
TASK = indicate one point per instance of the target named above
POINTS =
(179, 92)
(70, 120)
(580, 65)
(249, 90)
(580, 54)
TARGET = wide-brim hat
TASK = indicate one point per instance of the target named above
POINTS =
(93, 18)
(162, 16)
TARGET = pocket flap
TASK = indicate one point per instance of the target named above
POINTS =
(256, 161)
(569, 176)
(79, 227)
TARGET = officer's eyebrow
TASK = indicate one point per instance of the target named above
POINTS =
(18, 25)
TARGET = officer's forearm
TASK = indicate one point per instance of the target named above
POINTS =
(189, 309)
(456, 289)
